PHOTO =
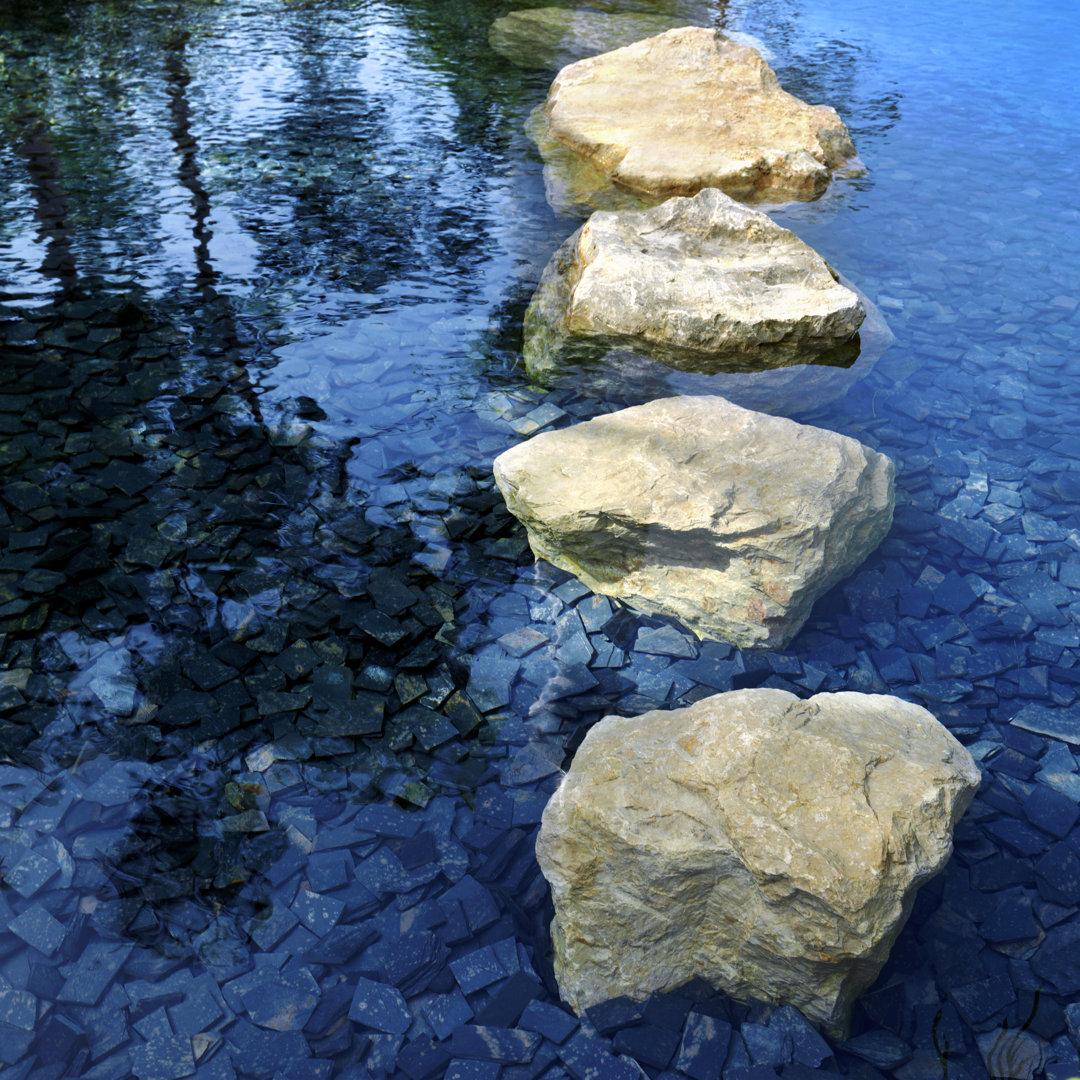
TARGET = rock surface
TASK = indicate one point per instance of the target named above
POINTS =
(733, 521)
(631, 378)
(689, 109)
(703, 284)
(768, 844)
(552, 37)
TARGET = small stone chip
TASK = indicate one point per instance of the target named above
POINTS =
(380, 1007)
(39, 929)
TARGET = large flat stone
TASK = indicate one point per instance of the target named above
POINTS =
(770, 845)
(702, 284)
(681, 111)
(733, 521)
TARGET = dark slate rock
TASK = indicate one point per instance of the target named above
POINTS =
(266, 1053)
(477, 969)
(1051, 811)
(340, 945)
(1055, 959)
(1005, 1052)
(954, 594)
(978, 1001)
(30, 873)
(549, 1020)
(446, 1012)
(95, 969)
(1018, 836)
(1001, 871)
(164, 1057)
(704, 1047)
(608, 1016)
(750, 1072)
(39, 929)
(880, 1048)
(1057, 874)
(509, 1001)
(647, 1044)
(808, 1047)
(665, 641)
(766, 1045)
(939, 1026)
(1059, 723)
(507, 1046)
(459, 1069)
(380, 1007)
(587, 1058)
(422, 1058)
(668, 1010)
(1012, 919)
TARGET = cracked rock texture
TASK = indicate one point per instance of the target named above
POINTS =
(768, 844)
(702, 284)
(733, 521)
(690, 109)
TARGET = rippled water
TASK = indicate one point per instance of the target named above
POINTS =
(262, 272)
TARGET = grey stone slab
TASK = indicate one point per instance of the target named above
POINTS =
(380, 1007)
(1059, 723)
(445, 1012)
(92, 972)
(31, 873)
(18, 1008)
(478, 969)
(39, 929)
(318, 913)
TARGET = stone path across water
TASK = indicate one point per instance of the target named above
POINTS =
(969, 606)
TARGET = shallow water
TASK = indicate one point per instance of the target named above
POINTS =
(262, 271)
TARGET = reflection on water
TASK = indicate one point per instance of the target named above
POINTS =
(268, 721)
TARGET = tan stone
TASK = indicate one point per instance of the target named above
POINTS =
(685, 110)
(702, 284)
(733, 521)
(770, 845)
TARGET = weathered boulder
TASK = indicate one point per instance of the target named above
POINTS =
(770, 845)
(552, 37)
(631, 378)
(685, 110)
(733, 521)
(702, 284)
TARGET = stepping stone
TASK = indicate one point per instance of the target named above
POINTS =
(783, 816)
(701, 284)
(685, 110)
(732, 521)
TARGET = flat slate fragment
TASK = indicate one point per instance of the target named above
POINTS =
(380, 1007)
(38, 928)
(1060, 723)
(509, 1046)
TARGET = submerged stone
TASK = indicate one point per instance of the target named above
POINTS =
(552, 37)
(733, 521)
(769, 845)
(701, 284)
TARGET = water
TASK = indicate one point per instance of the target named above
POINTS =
(262, 271)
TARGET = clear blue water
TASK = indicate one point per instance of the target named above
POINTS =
(262, 270)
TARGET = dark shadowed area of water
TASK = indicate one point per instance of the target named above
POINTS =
(274, 744)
